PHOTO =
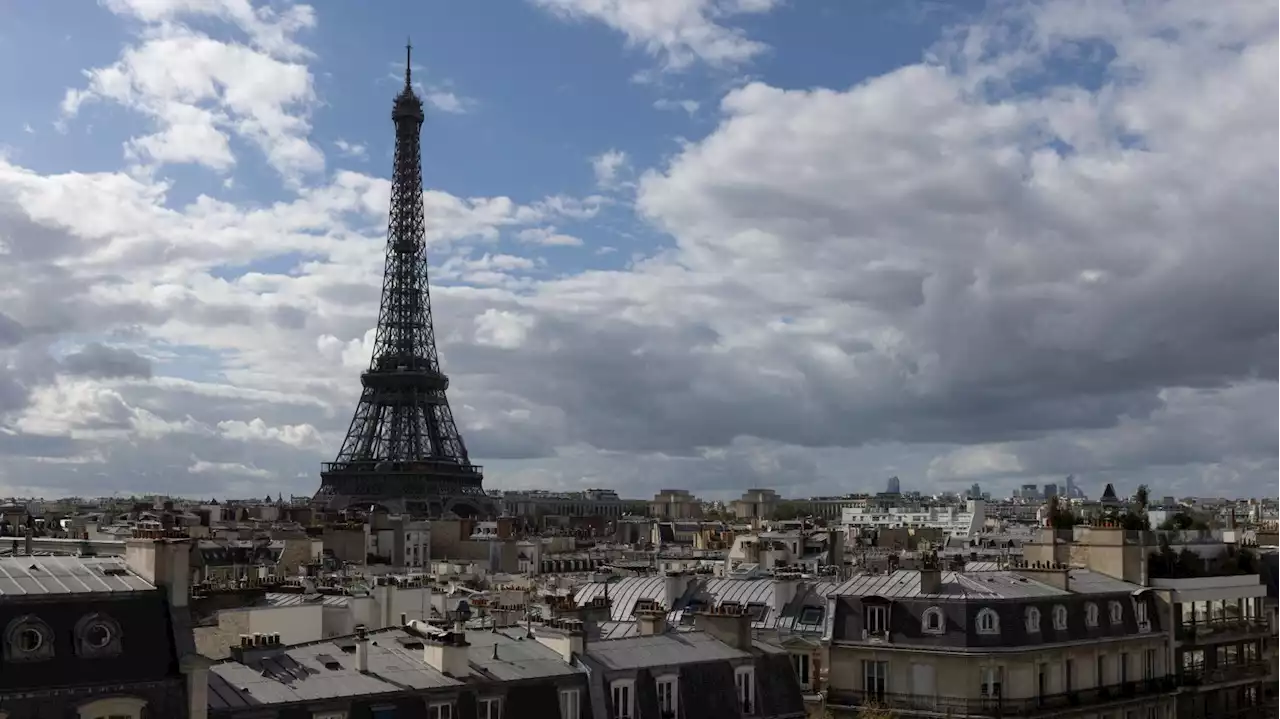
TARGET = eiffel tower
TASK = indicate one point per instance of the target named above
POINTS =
(402, 451)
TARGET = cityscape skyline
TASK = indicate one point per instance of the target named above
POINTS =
(642, 276)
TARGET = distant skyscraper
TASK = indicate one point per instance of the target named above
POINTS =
(1070, 484)
(1050, 490)
(893, 486)
(1030, 491)
(975, 492)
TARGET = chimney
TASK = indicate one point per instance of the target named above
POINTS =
(27, 535)
(362, 648)
(448, 654)
(196, 669)
(651, 621)
(732, 628)
(673, 587)
(566, 636)
(784, 590)
(931, 580)
(163, 561)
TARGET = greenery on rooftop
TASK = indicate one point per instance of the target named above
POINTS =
(1165, 563)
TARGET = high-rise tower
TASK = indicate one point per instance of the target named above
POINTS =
(402, 450)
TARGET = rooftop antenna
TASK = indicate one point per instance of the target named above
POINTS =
(408, 63)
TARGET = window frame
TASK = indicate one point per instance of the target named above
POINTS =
(1059, 617)
(988, 621)
(485, 708)
(991, 682)
(1091, 613)
(1032, 619)
(933, 613)
(744, 682)
(1115, 612)
(672, 682)
(570, 704)
(441, 710)
(627, 687)
(881, 615)
(880, 675)
(802, 663)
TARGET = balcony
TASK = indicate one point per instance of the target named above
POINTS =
(1204, 676)
(997, 707)
(1222, 629)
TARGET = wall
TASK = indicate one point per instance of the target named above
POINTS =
(297, 624)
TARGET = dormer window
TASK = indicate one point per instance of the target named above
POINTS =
(1117, 612)
(1060, 618)
(667, 700)
(876, 620)
(745, 680)
(1091, 614)
(623, 699)
(988, 622)
(932, 622)
(1033, 620)
(1140, 611)
(811, 615)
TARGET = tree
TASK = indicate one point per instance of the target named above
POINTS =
(1141, 497)
(1183, 521)
(1058, 516)
(786, 511)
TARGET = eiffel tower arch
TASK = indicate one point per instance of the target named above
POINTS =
(402, 451)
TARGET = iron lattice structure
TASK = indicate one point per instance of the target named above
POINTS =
(402, 450)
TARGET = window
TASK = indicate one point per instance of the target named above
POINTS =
(1060, 618)
(622, 700)
(569, 707)
(811, 615)
(113, 708)
(745, 680)
(1091, 614)
(440, 711)
(1101, 679)
(877, 620)
(489, 708)
(1117, 612)
(1033, 620)
(667, 696)
(329, 715)
(1124, 667)
(1140, 610)
(988, 622)
(991, 677)
(800, 662)
(1149, 665)
(932, 622)
(1068, 675)
(875, 678)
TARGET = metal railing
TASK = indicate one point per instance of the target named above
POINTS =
(1221, 627)
(1251, 669)
(996, 706)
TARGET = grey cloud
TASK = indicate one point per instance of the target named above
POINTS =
(100, 361)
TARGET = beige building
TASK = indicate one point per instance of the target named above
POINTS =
(756, 504)
(675, 504)
(1021, 642)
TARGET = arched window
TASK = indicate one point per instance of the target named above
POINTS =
(1117, 612)
(1033, 620)
(988, 622)
(1060, 618)
(933, 622)
(1091, 614)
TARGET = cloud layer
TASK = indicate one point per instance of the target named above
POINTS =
(967, 269)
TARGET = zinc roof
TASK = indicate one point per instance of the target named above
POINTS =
(58, 575)
(657, 650)
(955, 585)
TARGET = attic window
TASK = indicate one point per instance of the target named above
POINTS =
(645, 605)
(328, 662)
(811, 615)
(757, 612)
(730, 607)
(115, 571)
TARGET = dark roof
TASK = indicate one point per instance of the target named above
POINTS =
(1109, 494)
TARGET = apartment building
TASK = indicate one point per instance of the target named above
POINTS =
(1210, 597)
(1026, 642)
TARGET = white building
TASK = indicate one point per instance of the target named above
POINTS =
(956, 520)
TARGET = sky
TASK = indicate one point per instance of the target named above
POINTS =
(707, 244)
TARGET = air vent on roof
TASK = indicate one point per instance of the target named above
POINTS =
(115, 571)
(328, 662)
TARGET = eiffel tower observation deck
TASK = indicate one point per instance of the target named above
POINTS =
(402, 451)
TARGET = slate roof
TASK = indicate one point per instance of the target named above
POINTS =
(327, 669)
(294, 599)
(657, 650)
(59, 575)
(904, 583)
(757, 594)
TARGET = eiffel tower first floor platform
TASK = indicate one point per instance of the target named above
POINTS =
(422, 489)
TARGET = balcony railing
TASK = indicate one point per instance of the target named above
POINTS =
(1221, 628)
(1199, 676)
(999, 706)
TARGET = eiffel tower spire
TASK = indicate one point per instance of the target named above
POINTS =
(402, 450)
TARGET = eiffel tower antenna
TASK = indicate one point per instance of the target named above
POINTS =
(402, 450)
